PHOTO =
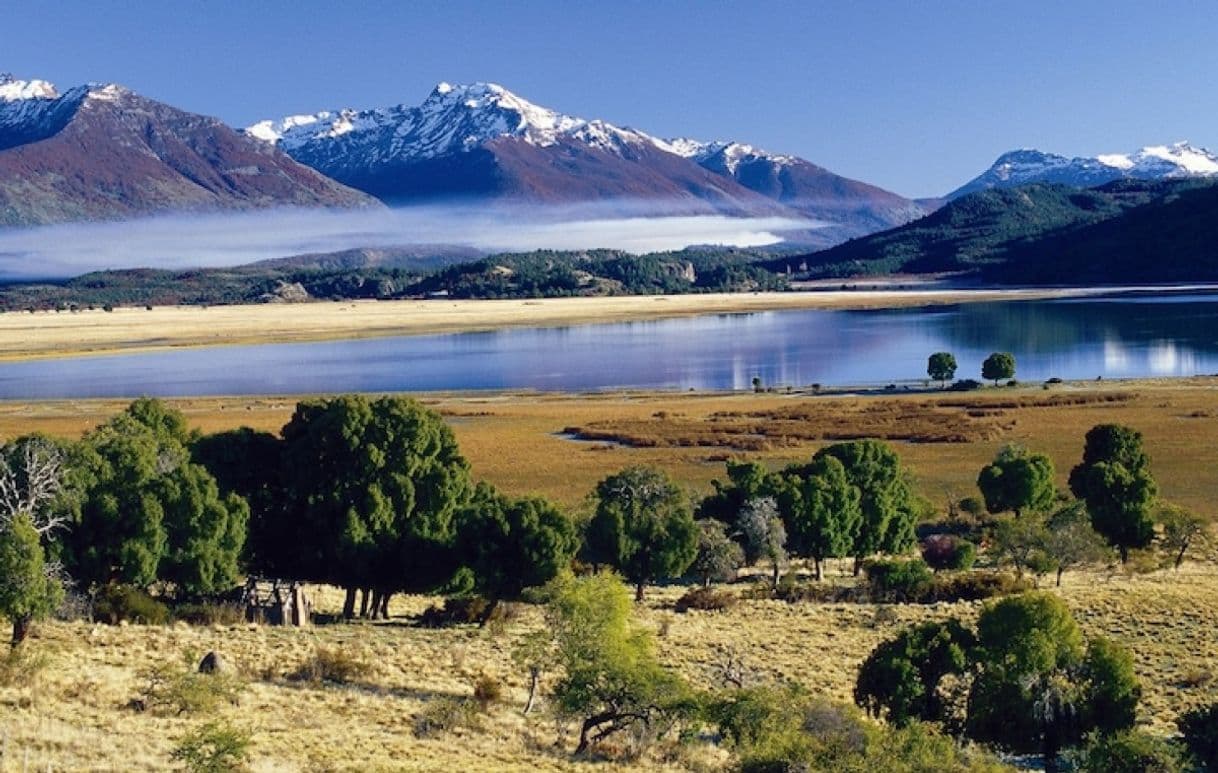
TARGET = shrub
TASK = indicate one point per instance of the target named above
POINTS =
(210, 613)
(965, 385)
(215, 747)
(1129, 751)
(445, 715)
(330, 664)
(115, 603)
(180, 689)
(1200, 730)
(948, 552)
(487, 690)
(21, 666)
(706, 599)
(977, 586)
(898, 580)
(460, 610)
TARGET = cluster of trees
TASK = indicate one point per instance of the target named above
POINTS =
(941, 366)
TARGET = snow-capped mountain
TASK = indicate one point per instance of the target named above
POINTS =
(101, 151)
(481, 140)
(1154, 162)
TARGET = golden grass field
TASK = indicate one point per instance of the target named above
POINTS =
(73, 715)
(61, 334)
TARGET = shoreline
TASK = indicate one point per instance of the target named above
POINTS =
(51, 335)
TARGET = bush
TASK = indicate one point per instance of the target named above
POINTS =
(1129, 751)
(1200, 730)
(116, 603)
(180, 689)
(21, 666)
(210, 613)
(965, 385)
(330, 664)
(215, 747)
(459, 610)
(445, 715)
(948, 552)
(977, 586)
(487, 690)
(898, 580)
(706, 599)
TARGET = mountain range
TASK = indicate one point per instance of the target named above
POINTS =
(103, 152)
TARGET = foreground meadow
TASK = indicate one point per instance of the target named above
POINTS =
(78, 708)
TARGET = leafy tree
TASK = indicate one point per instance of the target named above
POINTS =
(998, 365)
(745, 481)
(642, 526)
(610, 677)
(247, 462)
(719, 556)
(827, 515)
(1199, 727)
(899, 680)
(1069, 540)
(373, 486)
(1181, 530)
(948, 552)
(512, 544)
(1017, 480)
(884, 497)
(1037, 687)
(147, 512)
(765, 536)
(1023, 542)
(29, 587)
(941, 366)
(1114, 480)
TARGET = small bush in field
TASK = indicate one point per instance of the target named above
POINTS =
(1129, 751)
(898, 580)
(210, 613)
(330, 664)
(215, 747)
(947, 552)
(461, 610)
(116, 603)
(706, 599)
(445, 715)
(488, 690)
(180, 689)
(977, 586)
(21, 666)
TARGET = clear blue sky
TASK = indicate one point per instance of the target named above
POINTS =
(916, 96)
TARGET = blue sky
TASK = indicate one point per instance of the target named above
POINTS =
(913, 96)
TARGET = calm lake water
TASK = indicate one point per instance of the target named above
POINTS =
(1122, 336)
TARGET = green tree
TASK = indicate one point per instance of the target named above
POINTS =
(941, 366)
(826, 516)
(1023, 543)
(1115, 482)
(1038, 687)
(610, 680)
(643, 527)
(899, 680)
(1199, 727)
(1017, 480)
(998, 365)
(508, 545)
(29, 588)
(765, 535)
(884, 497)
(1069, 541)
(745, 481)
(719, 556)
(147, 512)
(373, 486)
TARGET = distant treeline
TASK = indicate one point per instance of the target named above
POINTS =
(525, 275)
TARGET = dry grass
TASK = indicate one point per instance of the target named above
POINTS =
(59, 334)
(74, 716)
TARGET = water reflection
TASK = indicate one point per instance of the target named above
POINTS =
(1154, 336)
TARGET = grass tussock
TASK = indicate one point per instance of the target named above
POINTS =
(331, 665)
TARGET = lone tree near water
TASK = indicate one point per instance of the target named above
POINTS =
(941, 367)
(998, 365)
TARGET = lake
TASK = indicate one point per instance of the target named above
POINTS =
(1113, 337)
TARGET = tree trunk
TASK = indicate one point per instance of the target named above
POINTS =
(1050, 747)
(638, 592)
(1180, 555)
(363, 602)
(21, 629)
(376, 603)
(385, 604)
(858, 565)
(488, 613)
(1059, 576)
(589, 725)
(1124, 551)
(816, 561)
(349, 604)
(774, 577)
(534, 682)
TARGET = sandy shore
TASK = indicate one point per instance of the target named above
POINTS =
(59, 334)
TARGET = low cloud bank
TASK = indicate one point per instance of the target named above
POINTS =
(230, 239)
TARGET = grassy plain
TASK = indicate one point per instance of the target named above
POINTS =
(74, 715)
(60, 334)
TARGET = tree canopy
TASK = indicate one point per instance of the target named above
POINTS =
(941, 366)
(1017, 480)
(998, 365)
(1114, 480)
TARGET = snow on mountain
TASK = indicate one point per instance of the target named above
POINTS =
(1021, 167)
